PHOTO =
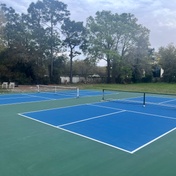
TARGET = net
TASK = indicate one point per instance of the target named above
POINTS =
(66, 90)
(124, 96)
(164, 100)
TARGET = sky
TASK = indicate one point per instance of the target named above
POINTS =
(159, 16)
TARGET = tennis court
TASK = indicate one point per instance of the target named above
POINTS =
(115, 124)
(47, 95)
(109, 133)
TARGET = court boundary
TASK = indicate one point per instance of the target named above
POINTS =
(37, 101)
(77, 134)
(47, 99)
(91, 118)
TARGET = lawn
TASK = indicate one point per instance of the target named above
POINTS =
(141, 87)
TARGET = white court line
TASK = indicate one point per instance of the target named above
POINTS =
(153, 140)
(28, 117)
(136, 112)
(35, 96)
(26, 96)
(10, 98)
(167, 101)
(24, 102)
(91, 118)
(121, 111)
(161, 105)
(59, 93)
(48, 109)
(172, 118)
(35, 101)
(59, 127)
(92, 139)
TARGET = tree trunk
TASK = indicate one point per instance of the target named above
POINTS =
(108, 71)
(52, 60)
(71, 65)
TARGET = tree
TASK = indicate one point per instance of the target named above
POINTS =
(111, 36)
(54, 14)
(38, 43)
(15, 33)
(101, 38)
(34, 38)
(168, 62)
(46, 16)
(74, 34)
(121, 70)
(84, 68)
(17, 52)
(2, 22)
(139, 59)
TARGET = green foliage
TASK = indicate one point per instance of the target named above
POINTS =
(2, 21)
(31, 43)
(74, 35)
(168, 62)
(46, 16)
(84, 68)
(112, 37)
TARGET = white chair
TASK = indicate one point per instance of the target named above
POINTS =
(5, 85)
(11, 85)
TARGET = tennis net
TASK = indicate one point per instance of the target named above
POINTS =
(123, 96)
(66, 90)
(143, 98)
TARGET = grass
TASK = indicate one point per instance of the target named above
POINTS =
(139, 87)
(167, 88)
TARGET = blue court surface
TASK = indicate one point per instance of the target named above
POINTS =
(6, 99)
(124, 126)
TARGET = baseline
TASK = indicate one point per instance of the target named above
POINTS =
(93, 139)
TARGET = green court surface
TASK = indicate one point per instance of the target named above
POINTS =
(30, 148)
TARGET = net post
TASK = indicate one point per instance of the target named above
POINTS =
(103, 98)
(77, 92)
(144, 100)
(38, 90)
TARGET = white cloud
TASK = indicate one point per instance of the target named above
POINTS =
(159, 16)
(166, 18)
